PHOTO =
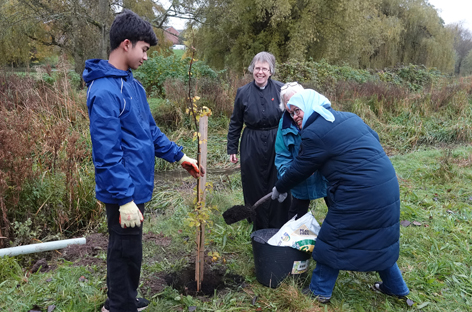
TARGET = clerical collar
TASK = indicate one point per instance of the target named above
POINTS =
(261, 88)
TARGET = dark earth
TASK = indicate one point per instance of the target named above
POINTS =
(215, 278)
(238, 213)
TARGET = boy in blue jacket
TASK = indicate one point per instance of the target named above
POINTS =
(125, 142)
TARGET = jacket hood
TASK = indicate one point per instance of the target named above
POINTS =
(98, 68)
(310, 101)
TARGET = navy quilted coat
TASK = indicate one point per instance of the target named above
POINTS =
(361, 230)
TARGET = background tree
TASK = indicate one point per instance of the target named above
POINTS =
(362, 33)
(75, 27)
(466, 67)
(462, 45)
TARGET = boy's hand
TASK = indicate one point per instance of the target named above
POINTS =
(130, 215)
(190, 165)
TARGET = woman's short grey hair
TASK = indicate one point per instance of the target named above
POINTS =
(263, 57)
(288, 89)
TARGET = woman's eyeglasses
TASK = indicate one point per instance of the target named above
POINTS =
(296, 112)
(263, 69)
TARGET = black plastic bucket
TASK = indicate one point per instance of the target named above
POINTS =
(274, 263)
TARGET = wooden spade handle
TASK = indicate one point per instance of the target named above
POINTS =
(260, 201)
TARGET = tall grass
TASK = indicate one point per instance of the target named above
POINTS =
(45, 157)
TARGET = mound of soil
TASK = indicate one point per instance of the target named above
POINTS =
(84, 255)
(214, 279)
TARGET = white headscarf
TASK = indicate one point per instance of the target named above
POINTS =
(310, 101)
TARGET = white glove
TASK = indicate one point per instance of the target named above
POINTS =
(190, 165)
(277, 195)
(130, 215)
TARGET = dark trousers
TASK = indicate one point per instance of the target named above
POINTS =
(124, 257)
(298, 207)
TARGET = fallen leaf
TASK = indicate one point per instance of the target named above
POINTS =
(405, 223)
(254, 299)
(409, 302)
(416, 223)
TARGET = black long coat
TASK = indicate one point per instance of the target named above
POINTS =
(259, 110)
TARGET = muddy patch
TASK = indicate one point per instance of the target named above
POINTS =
(86, 254)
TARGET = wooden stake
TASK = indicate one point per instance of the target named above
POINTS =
(202, 161)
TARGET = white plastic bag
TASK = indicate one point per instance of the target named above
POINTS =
(300, 234)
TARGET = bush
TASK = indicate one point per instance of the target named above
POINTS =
(414, 77)
(45, 159)
(320, 75)
(157, 69)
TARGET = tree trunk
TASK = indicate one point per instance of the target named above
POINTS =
(104, 7)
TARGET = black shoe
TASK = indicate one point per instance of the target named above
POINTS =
(141, 304)
(378, 287)
(321, 299)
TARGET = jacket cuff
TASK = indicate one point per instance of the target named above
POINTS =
(124, 201)
(178, 156)
(280, 187)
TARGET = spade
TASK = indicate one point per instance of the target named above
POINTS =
(241, 212)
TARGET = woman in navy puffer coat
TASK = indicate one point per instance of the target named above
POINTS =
(361, 230)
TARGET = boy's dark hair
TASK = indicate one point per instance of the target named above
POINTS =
(128, 25)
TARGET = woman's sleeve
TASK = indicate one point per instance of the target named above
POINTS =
(312, 155)
(235, 125)
(283, 156)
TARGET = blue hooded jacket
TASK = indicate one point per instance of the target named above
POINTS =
(125, 138)
(361, 231)
(287, 145)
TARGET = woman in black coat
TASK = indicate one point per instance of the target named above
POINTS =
(257, 107)
(361, 231)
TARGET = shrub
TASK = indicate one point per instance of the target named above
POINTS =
(158, 68)
(414, 77)
(45, 157)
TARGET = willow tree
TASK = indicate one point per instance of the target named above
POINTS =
(16, 49)
(76, 28)
(363, 33)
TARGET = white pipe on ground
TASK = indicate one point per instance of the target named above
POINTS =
(27, 249)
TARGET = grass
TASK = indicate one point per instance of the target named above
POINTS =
(428, 144)
(435, 255)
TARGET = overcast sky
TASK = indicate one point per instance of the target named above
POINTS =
(451, 11)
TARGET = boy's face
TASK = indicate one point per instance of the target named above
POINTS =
(137, 54)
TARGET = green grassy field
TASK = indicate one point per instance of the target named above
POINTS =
(426, 134)
(436, 193)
